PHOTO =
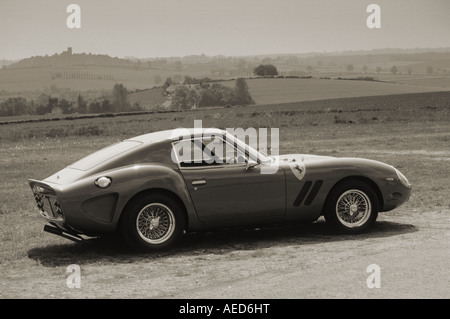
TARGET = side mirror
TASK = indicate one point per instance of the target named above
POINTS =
(250, 164)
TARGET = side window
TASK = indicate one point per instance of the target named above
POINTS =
(206, 151)
(188, 152)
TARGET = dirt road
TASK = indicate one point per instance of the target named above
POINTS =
(297, 261)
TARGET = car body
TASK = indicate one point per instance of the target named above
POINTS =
(154, 187)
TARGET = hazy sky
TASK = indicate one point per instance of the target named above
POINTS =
(159, 28)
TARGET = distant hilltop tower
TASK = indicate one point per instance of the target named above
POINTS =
(68, 52)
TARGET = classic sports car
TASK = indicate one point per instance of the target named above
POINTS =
(154, 187)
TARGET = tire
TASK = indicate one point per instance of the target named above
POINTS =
(153, 222)
(352, 207)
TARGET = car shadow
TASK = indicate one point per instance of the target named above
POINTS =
(112, 250)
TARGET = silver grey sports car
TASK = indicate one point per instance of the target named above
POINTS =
(153, 188)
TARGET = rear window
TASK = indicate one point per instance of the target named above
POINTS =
(104, 154)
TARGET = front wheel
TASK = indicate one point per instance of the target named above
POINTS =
(153, 222)
(352, 207)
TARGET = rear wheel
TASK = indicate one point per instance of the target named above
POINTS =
(352, 207)
(154, 221)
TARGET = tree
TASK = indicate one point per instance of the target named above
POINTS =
(65, 105)
(166, 84)
(188, 80)
(242, 95)
(52, 103)
(365, 68)
(350, 67)
(178, 78)
(180, 98)
(216, 95)
(378, 69)
(95, 107)
(14, 106)
(265, 70)
(394, 69)
(82, 104)
(120, 98)
(42, 104)
(224, 95)
(107, 107)
(430, 70)
(192, 99)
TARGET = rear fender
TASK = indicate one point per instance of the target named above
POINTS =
(92, 207)
(131, 181)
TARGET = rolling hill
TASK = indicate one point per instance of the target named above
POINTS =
(94, 75)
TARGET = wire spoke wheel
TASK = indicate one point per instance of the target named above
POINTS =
(353, 208)
(155, 223)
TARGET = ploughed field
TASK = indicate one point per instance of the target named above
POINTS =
(411, 244)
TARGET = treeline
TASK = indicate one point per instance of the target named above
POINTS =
(193, 94)
(81, 75)
(117, 102)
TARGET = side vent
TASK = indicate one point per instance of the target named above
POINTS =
(313, 192)
(304, 191)
(302, 194)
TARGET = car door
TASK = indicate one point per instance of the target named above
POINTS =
(224, 189)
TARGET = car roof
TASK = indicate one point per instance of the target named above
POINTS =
(175, 134)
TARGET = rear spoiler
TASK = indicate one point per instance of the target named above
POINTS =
(39, 187)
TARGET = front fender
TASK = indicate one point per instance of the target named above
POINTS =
(326, 173)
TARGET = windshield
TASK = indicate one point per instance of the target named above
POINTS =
(104, 154)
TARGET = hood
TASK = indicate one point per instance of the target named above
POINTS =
(307, 160)
(301, 163)
(298, 162)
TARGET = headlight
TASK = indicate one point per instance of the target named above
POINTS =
(402, 178)
(103, 182)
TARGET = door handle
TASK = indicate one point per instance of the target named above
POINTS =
(199, 182)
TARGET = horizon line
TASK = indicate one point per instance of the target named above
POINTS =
(423, 49)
